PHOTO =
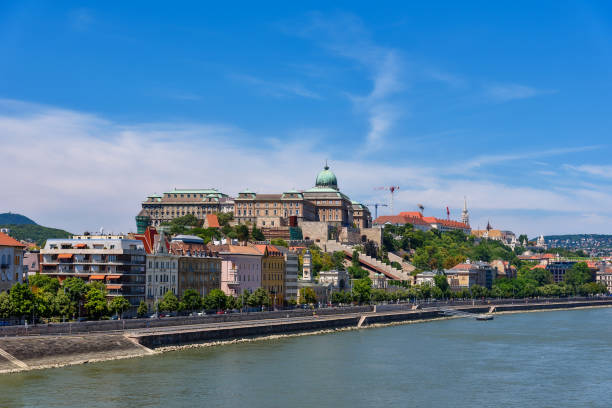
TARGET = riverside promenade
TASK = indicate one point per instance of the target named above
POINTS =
(55, 345)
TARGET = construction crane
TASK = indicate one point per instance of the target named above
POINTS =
(376, 205)
(392, 190)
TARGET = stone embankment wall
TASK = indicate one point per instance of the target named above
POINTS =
(23, 353)
(133, 324)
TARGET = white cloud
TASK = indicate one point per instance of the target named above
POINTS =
(345, 35)
(604, 171)
(508, 92)
(81, 171)
(278, 89)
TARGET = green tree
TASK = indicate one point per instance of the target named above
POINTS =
(362, 290)
(192, 300)
(44, 282)
(442, 283)
(95, 302)
(307, 296)
(243, 299)
(279, 242)
(119, 305)
(216, 300)
(5, 306)
(338, 260)
(256, 234)
(22, 300)
(169, 302)
(143, 309)
(75, 288)
(478, 291)
(259, 298)
(43, 303)
(242, 232)
(63, 305)
(578, 275)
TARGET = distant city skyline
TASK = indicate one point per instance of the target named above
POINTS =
(505, 104)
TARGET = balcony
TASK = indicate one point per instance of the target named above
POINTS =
(4, 266)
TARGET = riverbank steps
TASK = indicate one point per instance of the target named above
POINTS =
(39, 352)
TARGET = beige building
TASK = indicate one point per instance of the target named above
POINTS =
(362, 218)
(324, 202)
(159, 208)
(466, 275)
(11, 261)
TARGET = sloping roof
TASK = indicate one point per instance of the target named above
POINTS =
(399, 219)
(6, 240)
(212, 221)
(246, 250)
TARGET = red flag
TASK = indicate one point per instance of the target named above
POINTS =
(447, 213)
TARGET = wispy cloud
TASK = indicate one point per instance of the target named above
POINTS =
(344, 35)
(509, 92)
(604, 171)
(278, 89)
(81, 19)
(536, 154)
(95, 172)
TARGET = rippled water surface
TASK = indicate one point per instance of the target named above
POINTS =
(552, 359)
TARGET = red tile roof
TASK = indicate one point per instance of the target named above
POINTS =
(5, 240)
(399, 219)
(212, 221)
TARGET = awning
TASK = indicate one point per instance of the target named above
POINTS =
(80, 245)
(108, 287)
(64, 256)
(96, 277)
(113, 276)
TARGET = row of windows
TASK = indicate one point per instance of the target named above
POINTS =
(266, 205)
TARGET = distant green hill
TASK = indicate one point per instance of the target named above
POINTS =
(15, 219)
(34, 232)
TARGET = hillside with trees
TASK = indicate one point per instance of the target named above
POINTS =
(23, 228)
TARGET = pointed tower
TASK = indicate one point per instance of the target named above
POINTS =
(465, 216)
(160, 245)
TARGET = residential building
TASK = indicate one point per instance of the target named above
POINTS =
(11, 261)
(426, 277)
(291, 273)
(466, 275)
(159, 208)
(118, 263)
(201, 272)
(273, 273)
(31, 263)
(240, 268)
(503, 269)
(604, 275)
(162, 271)
(558, 269)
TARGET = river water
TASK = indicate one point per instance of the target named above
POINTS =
(550, 359)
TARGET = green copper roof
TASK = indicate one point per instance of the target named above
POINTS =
(203, 191)
(326, 178)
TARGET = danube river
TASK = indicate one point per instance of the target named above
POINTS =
(550, 359)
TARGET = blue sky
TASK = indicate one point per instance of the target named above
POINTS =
(506, 103)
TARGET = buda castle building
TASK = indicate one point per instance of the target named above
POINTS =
(324, 203)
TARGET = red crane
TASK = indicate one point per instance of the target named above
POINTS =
(392, 190)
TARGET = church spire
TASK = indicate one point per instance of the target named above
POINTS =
(465, 216)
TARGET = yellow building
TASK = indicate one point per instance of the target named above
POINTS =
(273, 273)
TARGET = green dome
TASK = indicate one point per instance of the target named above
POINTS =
(327, 178)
